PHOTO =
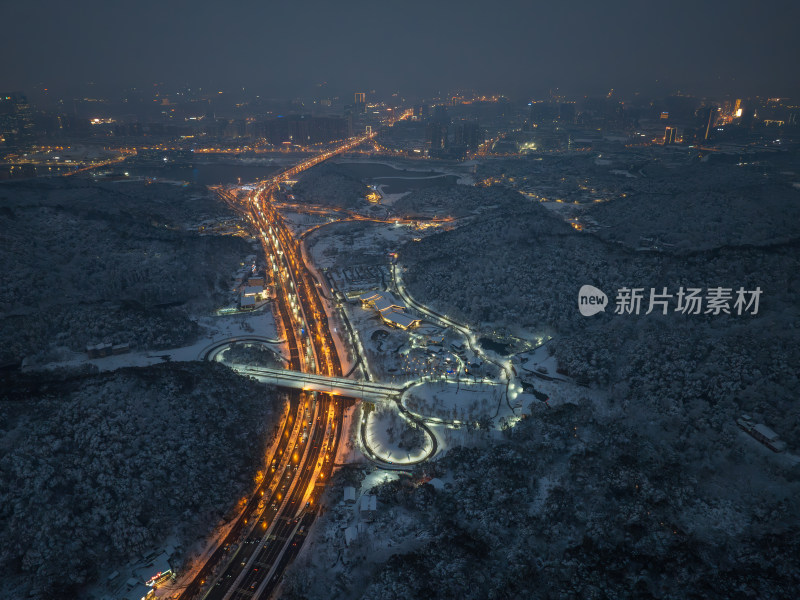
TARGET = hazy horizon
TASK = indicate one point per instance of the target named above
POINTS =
(512, 47)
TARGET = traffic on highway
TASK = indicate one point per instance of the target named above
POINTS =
(271, 530)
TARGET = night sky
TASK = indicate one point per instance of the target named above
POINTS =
(515, 47)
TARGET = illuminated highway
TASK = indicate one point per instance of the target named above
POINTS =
(271, 532)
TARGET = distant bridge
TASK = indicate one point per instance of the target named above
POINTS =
(338, 386)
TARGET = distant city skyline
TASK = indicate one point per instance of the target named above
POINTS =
(511, 47)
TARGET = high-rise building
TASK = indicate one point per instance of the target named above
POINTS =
(670, 135)
(360, 102)
(440, 114)
(566, 113)
(543, 112)
(437, 137)
(747, 118)
(468, 135)
(16, 119)
(421, 111)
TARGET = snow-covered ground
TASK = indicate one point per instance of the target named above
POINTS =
(462, 170)
(215, 329)
(348, 450)
(394, 438)
(460, 402)
(539, 360)
(366, 239)
(299, 222)
(388, 199)
(347, 542)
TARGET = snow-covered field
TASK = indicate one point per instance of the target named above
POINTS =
(394, 438)
(215, 329)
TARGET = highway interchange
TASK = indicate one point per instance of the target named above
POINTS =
(270, 530)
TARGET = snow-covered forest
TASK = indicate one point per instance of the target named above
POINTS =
(576, 503)
(709, 206)
(251, 355)
(86, 263)
(454, 201)
(329, 185)
(527, 276)
(649, 490)
(97, 469)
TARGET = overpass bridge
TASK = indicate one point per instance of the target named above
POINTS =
(338, 386)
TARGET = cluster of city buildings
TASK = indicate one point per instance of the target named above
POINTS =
(679, 118)
(463, 126)
(186, 119)
(189, 121)
(448, 138)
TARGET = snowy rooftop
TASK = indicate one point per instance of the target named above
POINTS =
(350, 534)
(369, 502)
(437, 483)
(156, 567)
(766, 432)
(370, 296)
(253, 290)
(380, 300)
(389, 308)
(399, 318)
(137, 593)
(385, 303)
